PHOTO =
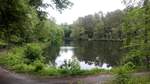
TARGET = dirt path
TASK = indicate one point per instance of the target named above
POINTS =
(7, 77)
(77, 80)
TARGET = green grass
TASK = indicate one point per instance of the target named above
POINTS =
(134, 80)
(2, 42)
(123, 75)
(139, 80)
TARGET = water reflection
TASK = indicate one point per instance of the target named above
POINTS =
(66, 53)
(51, 54)
(99, 52)
(91, 54)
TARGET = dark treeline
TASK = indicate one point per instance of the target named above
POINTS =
(97, 26)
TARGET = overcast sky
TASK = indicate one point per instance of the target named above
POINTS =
(84, 7)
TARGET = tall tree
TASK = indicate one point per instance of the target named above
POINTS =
(17, 19)
(140, 29)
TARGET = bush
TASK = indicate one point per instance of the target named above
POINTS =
(33, 52)
(14, 57)
(38, 65)
(3, 44)
(23, 68)
(71, 67)
(21, 59)
(123, 73)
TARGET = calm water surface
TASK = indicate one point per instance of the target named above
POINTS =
(90, 54)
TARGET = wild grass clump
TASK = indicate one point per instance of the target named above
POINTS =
(144, 79)
(139, 80)
(122, 73)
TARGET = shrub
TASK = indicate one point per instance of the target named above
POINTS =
(123, 73)
(14, 57)
(23, 68)
(71, 67)
(32, 53)
(21, 59)
(3, 44)
(38, 65)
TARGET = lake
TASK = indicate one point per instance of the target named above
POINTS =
(90, 54)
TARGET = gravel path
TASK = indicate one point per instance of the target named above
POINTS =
(7, 77)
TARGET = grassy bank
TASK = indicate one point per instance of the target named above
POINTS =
(145, 79)
(29, 59)
(129, 74)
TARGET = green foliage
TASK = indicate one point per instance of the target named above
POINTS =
(93, 71)
(71, 67)
(123, 73)
(39, 65)
(98, 26)
(29, 59)
(139, 80)
(24, 59)
(17, 17)
(48, 31)
(3, 44)
(50, 71)
(13, 57)
(32, 52)
(67, 31)
(23, 68)
(135, 80)
(137, 33)
(23, 21)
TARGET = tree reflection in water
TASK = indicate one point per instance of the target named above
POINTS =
(89, 53)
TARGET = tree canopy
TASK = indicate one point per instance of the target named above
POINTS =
(137, 30)
(20, 18)
(99, 26)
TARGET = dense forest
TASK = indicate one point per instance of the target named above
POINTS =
(26, 32)
(24, 21)
(99, 26)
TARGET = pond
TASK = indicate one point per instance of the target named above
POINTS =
(90, 54)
